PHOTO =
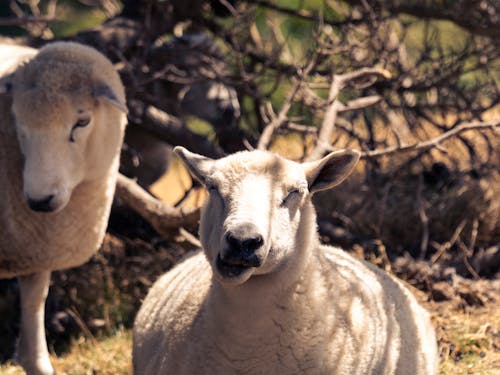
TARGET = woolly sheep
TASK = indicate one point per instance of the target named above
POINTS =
(265, 297)
(61, 128)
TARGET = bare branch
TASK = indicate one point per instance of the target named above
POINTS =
(441, 249)
(172, 130)
(434, 142)
(362, 73)
(300, 128)
(6, 21)
(424, 220)
(165, 219)
(465, 259)
(281, 118)
(277, 121)
(338, 82)
(360, 103)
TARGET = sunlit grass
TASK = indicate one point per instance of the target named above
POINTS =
(470, 341)
(469, 346)
(106, 356)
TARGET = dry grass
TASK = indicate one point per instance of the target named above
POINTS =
(469, 341)
(469, 344)
(107, 356)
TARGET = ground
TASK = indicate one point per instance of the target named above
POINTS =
(469, 340)
(90, 309)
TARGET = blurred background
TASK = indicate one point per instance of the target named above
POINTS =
(414, 85)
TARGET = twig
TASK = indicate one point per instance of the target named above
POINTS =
(360, 103)
(447, 245)
(433, 142)
(424, 243)
(467, 251)
(473, 236)
(73, 312)
(328, 124)
(281, 118)
(300, 128)
(346, 78)
(189, 237)
(465, 259)
(339, 81)
(165, 219)
(6, 21)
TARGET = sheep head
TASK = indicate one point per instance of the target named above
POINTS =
(259, 215)
(68, 104)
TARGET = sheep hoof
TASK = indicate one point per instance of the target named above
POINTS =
(41, 365)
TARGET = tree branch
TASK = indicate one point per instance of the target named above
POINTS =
(434, 142)
(339, 81)
(165, 219)
(17, 21)
(173, 131)
(360, 103)
(281, 118)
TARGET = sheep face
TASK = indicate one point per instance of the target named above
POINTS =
(67, 131)
(257, 218)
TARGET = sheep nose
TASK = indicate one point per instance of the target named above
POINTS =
(242, 245)
(245, 244)
(42, 205)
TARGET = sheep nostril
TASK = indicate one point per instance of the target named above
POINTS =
(247, 244)
(233, 242)
(42, 205)
(252, 244)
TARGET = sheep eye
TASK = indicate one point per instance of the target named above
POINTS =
(212, 189)
(81, 123)
(291, 195)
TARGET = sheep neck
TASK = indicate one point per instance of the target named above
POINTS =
(59, 239)
(256, 310)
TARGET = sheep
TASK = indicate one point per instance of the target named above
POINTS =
(62, 120)
(263, 296)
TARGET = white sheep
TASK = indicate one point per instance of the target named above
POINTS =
(264, 297)
(62, 119)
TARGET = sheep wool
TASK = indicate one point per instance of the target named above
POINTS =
(265, 297)
(62, 120)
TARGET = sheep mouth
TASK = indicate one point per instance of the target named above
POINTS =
(230, 270)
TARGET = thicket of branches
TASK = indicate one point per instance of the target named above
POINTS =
(412, 84)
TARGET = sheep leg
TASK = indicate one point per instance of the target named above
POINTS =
(32, 352)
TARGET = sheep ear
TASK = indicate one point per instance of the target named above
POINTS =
(199, 166)
(6, 84)
(331, 170)
(104, 92)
